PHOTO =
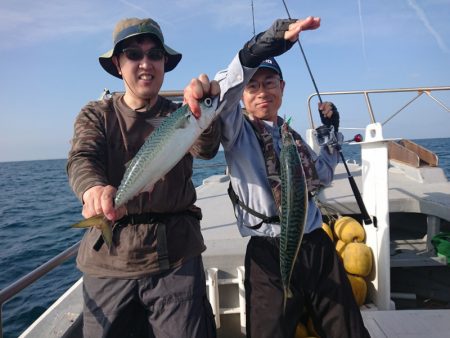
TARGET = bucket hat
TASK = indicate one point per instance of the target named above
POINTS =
(128, 28)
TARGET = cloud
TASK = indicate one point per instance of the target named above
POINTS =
(28, 22)
(423, 17)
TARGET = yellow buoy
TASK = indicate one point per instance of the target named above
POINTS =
(357, 258)
(359, 288)
(349, 230)
(311, 330)
(340, 247)
(301, 331)
(328, 230)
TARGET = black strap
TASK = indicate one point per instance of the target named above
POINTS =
(265, 219)
(148, 218)
(155, 217)
(161, 246)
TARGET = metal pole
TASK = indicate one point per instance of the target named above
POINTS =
(13, 289)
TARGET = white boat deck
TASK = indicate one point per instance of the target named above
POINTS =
(225, 246)
(418, 190)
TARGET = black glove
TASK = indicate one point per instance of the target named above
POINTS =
(266, 44)
(330, 121)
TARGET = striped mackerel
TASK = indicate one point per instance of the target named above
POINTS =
(294, 207)
(161, 151)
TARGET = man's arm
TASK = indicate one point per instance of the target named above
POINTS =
(86, 166)
(278, 39)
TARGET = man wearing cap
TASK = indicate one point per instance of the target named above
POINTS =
(151, 283)
(252, 143)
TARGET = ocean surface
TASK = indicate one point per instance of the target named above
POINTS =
(37, 208)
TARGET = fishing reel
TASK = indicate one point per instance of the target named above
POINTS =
(325, 136)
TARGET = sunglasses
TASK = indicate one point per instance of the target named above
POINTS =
(137, 54)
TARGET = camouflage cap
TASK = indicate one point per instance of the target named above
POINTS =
(128, 28)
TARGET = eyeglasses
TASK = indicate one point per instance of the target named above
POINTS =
(270, 83)
(137, 54)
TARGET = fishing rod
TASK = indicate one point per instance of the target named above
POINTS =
(322, 134)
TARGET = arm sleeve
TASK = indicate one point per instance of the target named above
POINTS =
(325, 163)
(86, 164)
(232, 82)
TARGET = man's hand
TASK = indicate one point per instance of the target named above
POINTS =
(197, 89)
(278, 39)
(296, 27)
(329, 115)
(100, 200)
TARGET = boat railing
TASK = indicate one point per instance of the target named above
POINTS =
(16, 287)
(367, 93)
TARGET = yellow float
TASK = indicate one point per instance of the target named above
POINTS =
(357, 258)
(359, 288)
(328, 230)
(349, 230)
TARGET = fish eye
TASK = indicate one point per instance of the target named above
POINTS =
(208, 102)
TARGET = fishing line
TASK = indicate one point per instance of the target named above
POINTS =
(304, 57)
(253, 17)
(356, 193)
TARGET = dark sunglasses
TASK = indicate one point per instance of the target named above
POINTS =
(137, 54)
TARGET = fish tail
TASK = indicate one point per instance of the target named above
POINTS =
(287, 294)
(101, 222)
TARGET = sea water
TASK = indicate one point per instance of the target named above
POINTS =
(37, 208)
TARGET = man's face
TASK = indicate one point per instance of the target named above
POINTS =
(263, 94)
(143, 73)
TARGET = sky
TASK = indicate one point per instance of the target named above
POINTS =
(49, 60)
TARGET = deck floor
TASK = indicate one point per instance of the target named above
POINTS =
(407, 323)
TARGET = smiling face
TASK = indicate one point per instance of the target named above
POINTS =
(142, 78)
(263, 94)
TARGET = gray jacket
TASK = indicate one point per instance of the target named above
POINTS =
(246, 162)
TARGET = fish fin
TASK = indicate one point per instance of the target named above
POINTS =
(275, 178)
(289, 293)
(106, 229)
(89, 222)
(100, 222)
(148, 188)
(182, 123)
(127, 164)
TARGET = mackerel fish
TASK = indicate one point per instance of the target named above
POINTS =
(161, 151)
(294, 207)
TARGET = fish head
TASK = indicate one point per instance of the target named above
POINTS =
(286, 136)
(210, 108)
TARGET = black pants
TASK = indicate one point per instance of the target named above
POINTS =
(319, 284)
(172, 304)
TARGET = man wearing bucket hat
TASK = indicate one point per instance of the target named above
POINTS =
(252, 145)
(152, 282)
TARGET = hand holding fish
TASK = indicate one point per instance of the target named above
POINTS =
(175, 136)
(197, 89)
(100, 200)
